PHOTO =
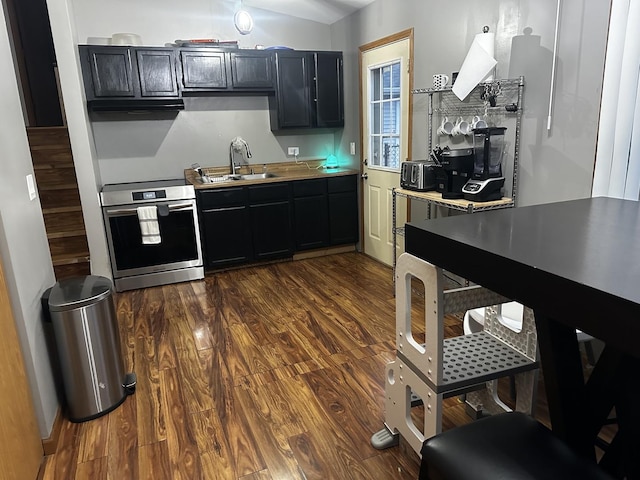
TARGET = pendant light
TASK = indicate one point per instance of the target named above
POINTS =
(243, 21)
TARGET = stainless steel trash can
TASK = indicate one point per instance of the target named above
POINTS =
(86, 333)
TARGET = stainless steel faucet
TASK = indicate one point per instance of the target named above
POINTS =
(238, 144)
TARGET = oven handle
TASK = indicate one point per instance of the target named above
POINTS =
(175, 207)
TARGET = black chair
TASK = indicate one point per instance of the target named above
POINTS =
(509, 446)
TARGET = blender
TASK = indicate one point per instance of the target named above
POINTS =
(486, 181)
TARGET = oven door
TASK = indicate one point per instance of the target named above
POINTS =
(180, 240)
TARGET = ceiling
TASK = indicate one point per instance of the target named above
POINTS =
(323, 11)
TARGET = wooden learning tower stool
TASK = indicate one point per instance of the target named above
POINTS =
(440, 368)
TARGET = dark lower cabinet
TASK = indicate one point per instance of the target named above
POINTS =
(311, 214)
(270, 209)
(240, 225)
(343, 215)
(343, 210)
(227, 236)
(225, 226)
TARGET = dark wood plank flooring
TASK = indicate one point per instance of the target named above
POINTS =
(271, 372)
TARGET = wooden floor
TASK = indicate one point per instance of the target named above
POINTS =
(273, 372)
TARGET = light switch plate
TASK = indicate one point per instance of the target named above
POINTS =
(352, 148)
(31, 187)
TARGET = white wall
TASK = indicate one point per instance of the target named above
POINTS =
(23, 241)
(555, 165)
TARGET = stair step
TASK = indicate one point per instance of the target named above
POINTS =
(54, 210)
(72, 270)
(69, 245)
(48, 178)
(66, 234)
(59, 197)
(70, 259)
(65, 186)
(42, 136)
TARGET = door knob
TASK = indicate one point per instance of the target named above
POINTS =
(364, 176)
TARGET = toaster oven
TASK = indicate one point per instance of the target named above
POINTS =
(418, 175)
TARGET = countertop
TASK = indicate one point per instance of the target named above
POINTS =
(285, 171)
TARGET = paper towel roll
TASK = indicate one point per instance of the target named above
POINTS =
(477, 66)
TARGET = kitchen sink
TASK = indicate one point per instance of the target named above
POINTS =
(231, 178)
(256, 176)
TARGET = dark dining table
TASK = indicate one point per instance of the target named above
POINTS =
(577, 265)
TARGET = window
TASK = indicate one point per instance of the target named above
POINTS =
(384, 112)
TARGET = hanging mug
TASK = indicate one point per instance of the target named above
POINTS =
(446, 127)
(461, 127)
(478, 122)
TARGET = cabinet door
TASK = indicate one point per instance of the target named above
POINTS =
(343, 209)
(271, 228)
(328, 94)
(112, 71)
(343, 214)
(157, 73)
(311, 216)
(226, 236)
(293, 95)
(203, 70)
(270, 220)
(251, 70)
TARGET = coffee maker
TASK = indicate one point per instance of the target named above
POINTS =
(486, 181)
(453, 169)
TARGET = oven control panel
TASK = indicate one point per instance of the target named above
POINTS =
(150, 195)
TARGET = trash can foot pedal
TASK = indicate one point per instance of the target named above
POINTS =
(129, 383)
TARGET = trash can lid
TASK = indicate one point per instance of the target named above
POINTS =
(78, 292)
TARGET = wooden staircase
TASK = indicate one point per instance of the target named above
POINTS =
(60, 200)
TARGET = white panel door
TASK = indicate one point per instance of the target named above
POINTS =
(385, 88)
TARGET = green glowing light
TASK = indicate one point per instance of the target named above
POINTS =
(331, 162)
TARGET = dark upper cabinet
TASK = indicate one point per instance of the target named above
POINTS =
(157, 72)
(291, 105)
(308, 90)
(251, 70)
(215, 70)
(110, 71)
(329, 108)
(203, 69)
(130, 78)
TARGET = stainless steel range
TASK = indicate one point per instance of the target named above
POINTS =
(152, 232)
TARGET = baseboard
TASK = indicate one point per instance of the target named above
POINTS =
(323, 252)
(50, 445)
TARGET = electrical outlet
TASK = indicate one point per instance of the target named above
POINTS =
(293, 151)
(352, 148)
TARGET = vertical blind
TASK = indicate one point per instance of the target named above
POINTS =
(617, 169)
